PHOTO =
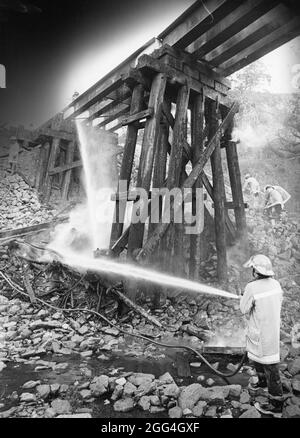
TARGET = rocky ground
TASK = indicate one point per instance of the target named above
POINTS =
(20, 206)
(48, 339)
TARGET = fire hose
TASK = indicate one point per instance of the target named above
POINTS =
(225, 376)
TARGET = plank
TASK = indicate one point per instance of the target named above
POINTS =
(219, 196)
(59, 169)
(230, 25)
(147, 154)
(145, 114)
(48, 179)
(127, 163)
(272, 41)
(197, 139)
(196, 21)
(68, 173)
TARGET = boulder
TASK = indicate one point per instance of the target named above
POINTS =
(129, 389)
(250, 413)
(175, 412)
(61, 406)
(43, 391)
(27, 397)
(190, 395)
(138, 379)
(144, 403)
(124, 405)
(171, 390)
(294, 366)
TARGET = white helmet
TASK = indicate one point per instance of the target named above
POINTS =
(261, 264)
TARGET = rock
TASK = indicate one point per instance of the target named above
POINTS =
(175, 412)
(198, 409)
(118, 391)
(291, 411)
(294, 367)
(227, 414)
(124, 405)
(61, 406)
(296, 384)
(235, 390)
(99, 385)
(154, 400)
(156, 409)
(87, 353)
(210, 382)
(2, 366)
(129, 389)
(211, 412)
(144, 403)
(195, 364)
(250, 413)
(63, 388)
(54, 388)
(49, 413)
(43, 391)
(138, 379)
(166, 378)
(85, 393)
(121, 381)
(187, 411)
(171, 390)
(190, 395)
(31, 384)
(27, 397)
(244, 397)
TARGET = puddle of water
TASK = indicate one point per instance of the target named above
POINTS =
(16, 374)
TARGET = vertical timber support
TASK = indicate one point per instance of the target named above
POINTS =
(197, 126)
(176, 172)
(68, 173)
(219, 195)
(158, 87)
(51, 162)
(236, 184)
(127, 162)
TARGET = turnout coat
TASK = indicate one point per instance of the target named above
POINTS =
(261, 304)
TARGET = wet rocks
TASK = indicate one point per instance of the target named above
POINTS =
(124, 405)
(43, 391)
(27, 397)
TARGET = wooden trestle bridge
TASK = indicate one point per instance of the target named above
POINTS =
(184, 68)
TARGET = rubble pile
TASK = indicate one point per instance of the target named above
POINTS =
(20, 206)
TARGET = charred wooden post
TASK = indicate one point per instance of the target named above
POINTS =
(68, 173)
(236, 185)
(127, 162)
(218, 193)
(42, 166)
(136, 233)
(51, 163)
(197, 137)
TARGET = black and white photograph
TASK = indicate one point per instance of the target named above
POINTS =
(149, 212)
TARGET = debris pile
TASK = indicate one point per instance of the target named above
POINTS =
(20, 206)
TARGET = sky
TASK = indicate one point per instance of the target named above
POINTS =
(72, 44)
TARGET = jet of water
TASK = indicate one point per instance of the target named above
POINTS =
(108, 266)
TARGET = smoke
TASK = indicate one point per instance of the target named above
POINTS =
(90, 223)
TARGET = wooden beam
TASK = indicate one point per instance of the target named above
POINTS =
(147, 154)
(219, 196)
(68, 173)
(59, 169)
(145, 114)
(265, 45)
(120, 111)
(127, 163)
(197, 139)
(230, 25)
(196, 21)
(248, 36)
(48, 179)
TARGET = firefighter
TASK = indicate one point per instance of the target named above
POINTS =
(261, 304)
(273, 203)
(251, 188)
